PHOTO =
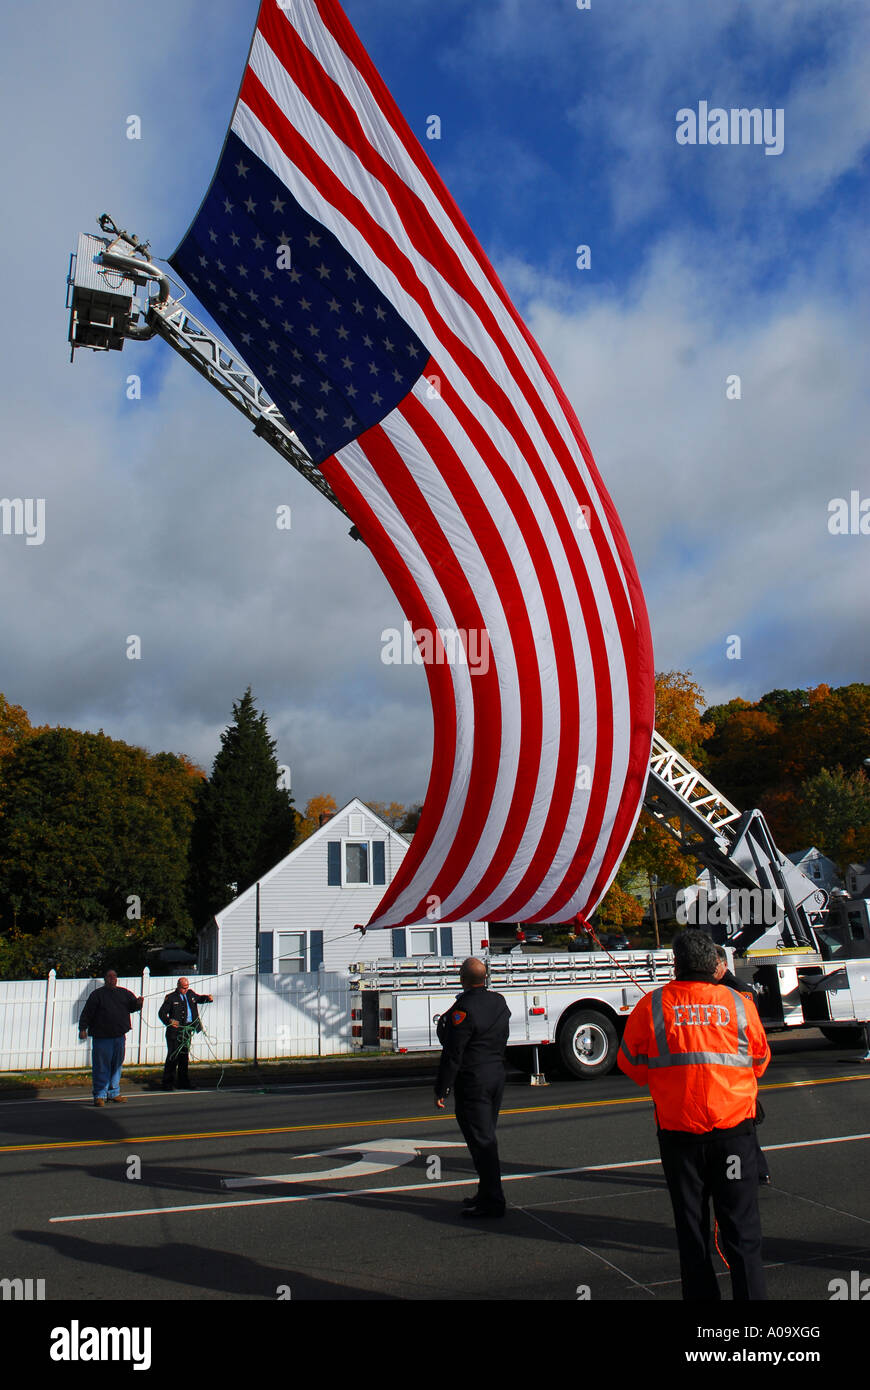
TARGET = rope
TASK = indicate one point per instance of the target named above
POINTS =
(587, 927)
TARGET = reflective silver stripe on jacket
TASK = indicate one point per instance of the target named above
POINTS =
(667, 1058)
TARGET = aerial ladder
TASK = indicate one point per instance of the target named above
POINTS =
(805, 952)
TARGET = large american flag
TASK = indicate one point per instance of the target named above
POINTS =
(336, 262)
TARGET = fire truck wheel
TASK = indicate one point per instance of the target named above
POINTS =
(844, 1037)
(588, 1044)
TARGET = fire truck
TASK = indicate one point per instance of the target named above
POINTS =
(803, 952)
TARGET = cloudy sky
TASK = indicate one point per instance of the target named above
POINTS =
(558, 129)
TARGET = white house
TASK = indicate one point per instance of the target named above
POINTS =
(817, 867)
(858, 880)
(313, 899)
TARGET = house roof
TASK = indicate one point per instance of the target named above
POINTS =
(355, 805)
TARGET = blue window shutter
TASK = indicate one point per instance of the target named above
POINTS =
(446, 941)
(333, 863)
(315, 939)
(399, 942)
(266, 952)
(378, 862)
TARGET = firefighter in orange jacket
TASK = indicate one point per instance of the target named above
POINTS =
(700, 1048)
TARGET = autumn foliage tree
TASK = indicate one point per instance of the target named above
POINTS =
(317, 810)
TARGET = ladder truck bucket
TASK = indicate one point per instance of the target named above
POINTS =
(100, 298)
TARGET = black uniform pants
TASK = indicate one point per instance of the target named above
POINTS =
(177, 1053)
(478, 1099)
(724, 1167)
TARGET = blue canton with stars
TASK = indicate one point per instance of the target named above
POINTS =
(331, 351)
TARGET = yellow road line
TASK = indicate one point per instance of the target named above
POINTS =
(369, 1124)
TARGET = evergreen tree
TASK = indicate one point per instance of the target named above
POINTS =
(245, 821)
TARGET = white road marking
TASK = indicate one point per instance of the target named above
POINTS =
(414, 1187)
(378, 1156)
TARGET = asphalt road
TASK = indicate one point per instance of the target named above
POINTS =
(164, 1198)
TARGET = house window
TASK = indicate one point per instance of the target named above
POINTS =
(423, 942)
(357, 861)
(290, 953)
(816, 869)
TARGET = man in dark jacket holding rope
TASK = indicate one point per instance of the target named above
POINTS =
(180, 1014)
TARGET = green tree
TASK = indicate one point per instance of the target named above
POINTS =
(93, 832)
(245, 821)
(835, 815)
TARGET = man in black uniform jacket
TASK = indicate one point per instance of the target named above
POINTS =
(178, 1011)
(474, 1034)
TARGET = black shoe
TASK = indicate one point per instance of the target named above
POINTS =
(483, 1212)
(764, 1180)
(470, 1201)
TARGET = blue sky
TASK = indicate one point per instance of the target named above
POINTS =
(557, 128)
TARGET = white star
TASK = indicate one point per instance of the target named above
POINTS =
(270, 371)
(367, 342)
(252, 294)
(346, 363)
(258, 242)
(381, 313)
(320, 356)
(273, 346)
(279, 303)
(377, 398)
(267, 274)
(325, 388)
(320, 413)
(246, 338)
(242, 169)
(194, 278)
(212, 235)
(264, 323)
(235, 238)
(350, 272)
(349, 422)
(305, 305)
(221, 267)
(296, 379)
(295, 277)
(212, 286)
(203, 261)
(357, 306)
(314, 330)
(374, 368)
(243, 271)
(228, 206)
(397, 375)
(319, 441)
(297, 354)
(323, 271)
(342, 332)
(334, 305)
(250, 205)
(352, 392)
(388, 345)
(277, 205)
(224, 308)
(312, 239)
(413, 351)
(288, 327)
(232, 294)
(294, 405)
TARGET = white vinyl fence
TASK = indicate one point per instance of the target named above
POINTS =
(296, 1016)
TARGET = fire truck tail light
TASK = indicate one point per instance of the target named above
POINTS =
(537, 1011)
